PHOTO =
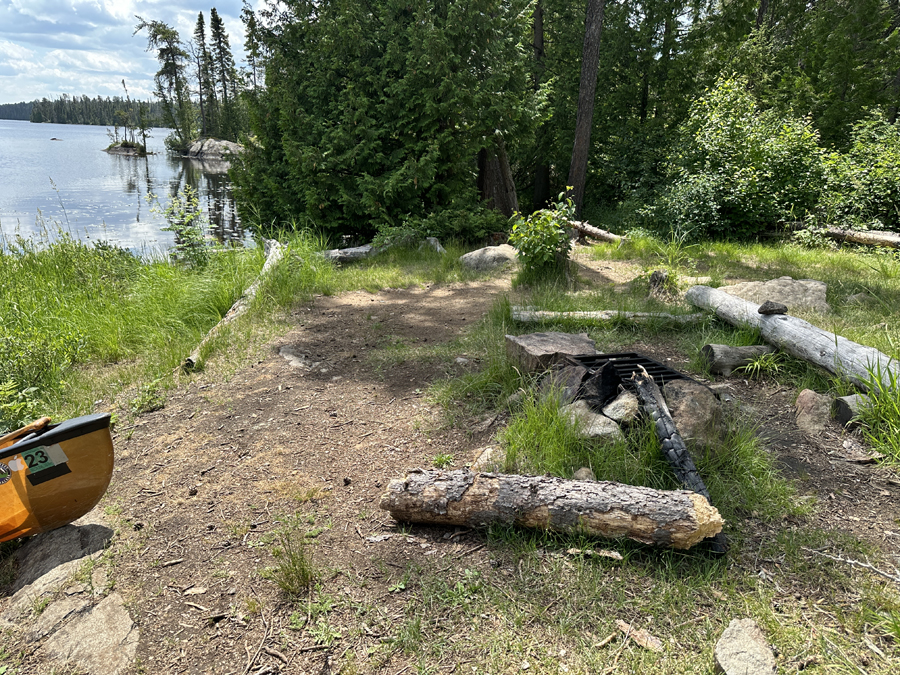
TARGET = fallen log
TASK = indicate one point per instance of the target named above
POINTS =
(854, 362)
(274, 252)
(594, 232)
(722, 359)
(678, 519)
(528, 315)
(867, 237)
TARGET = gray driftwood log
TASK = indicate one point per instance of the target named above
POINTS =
(528, 315)
(845, 358)
(594, 232)
(867, 237)
(722, 359)
(274, 252)
(678, 518)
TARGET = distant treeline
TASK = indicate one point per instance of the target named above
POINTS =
(75, 110)
(16, 111)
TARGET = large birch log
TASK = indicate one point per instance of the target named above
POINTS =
(722, 359)
(854, 362)
(528, 315)
(274, 252)
(867, 237)
(594, 232)
(678, 519)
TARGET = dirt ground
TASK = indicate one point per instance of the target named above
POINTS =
(315, 429)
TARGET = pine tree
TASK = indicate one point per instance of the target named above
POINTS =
(225, 76)
(205, 89)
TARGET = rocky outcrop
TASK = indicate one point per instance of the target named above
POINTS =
(213, 149)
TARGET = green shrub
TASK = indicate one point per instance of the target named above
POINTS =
(864, 183)
(739, 170)
(542, 238)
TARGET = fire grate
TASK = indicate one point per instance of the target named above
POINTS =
(627, 362)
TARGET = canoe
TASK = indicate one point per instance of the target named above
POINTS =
(52, 474)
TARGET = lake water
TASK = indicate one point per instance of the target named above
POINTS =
(73, 185)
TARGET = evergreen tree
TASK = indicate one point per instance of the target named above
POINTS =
(225, 76)
(206, 92)
(171, 83)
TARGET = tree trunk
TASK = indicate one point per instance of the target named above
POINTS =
(678, 519)
(541, 196)
(722, 359)
(849, 360)
(495, 181)
(587, 88)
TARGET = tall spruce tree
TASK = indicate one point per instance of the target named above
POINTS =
(206, 93)
(226, 78)
(171, 82)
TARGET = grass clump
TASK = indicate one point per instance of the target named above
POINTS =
(294, 570)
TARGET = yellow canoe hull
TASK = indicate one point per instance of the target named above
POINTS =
(53, 476)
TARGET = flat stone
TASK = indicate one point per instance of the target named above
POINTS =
(813, 412)
(696, 411)
(593, 425)
(793, 293)
(342, 255)
(102, 641)
(743, 650)
(489, 258)
(539, 351)
(54, 615)
(624, 409)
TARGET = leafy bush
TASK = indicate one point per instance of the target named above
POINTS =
(542, 238)
(739, 170)
(186, 219)
(864, 183)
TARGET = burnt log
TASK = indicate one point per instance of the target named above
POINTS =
(722, 359)
(854, 362)
(673, 447)
(678, 519)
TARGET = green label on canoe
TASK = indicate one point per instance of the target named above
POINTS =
(42, 457)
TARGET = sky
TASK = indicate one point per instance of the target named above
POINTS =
(87, 47)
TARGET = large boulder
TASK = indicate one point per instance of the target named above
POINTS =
(592, 424)
(213, 149)
(539, 351)
(489, 258)
(793, 293)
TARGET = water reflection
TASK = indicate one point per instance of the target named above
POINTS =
(210, 180)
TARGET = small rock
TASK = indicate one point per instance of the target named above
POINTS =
(489, 459)
(192, 492)
(347, 481)
(743, 650)
(846, 408)
(461, 361)
(624, 409)
(813, 412)
(769, 307)
(566, 380)
(593, 425)
(584, 473)
(433, 242)
(859, 299)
